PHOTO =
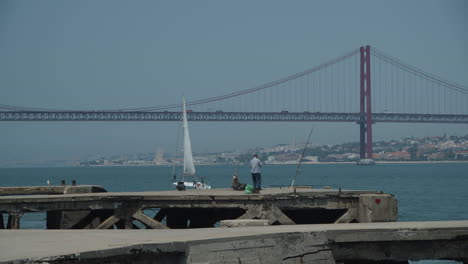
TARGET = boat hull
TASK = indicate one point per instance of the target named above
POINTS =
(194, 184)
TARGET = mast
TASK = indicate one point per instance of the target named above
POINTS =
(189, 168)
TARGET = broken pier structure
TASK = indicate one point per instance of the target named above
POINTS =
(90, 207)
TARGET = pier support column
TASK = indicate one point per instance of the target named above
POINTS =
(14, 220)
(2, 224)
(70, 219)
(377, 208)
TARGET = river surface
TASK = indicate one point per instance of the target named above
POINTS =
(425, 192)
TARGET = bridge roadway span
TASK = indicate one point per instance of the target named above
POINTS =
(324, 243)
(228, 116)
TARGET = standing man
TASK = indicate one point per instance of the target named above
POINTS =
(255, 165)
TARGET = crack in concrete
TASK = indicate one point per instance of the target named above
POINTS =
(242, 248)
(305, 254)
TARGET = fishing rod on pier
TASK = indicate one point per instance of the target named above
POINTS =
(298, 170)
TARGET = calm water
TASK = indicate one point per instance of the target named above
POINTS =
(424, 191)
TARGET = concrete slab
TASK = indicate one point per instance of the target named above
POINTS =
(92, 244)
(189, 194)
(50, 189)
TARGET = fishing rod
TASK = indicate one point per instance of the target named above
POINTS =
(298, 170)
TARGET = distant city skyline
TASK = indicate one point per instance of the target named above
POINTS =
(431, 148)
(118, 54)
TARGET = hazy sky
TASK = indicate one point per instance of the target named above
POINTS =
(127, 54)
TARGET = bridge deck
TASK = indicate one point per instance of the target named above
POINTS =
(230, 116)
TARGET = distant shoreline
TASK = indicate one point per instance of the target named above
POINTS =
(296, 163)
(426, 162)
(271, 164)
(376, 162)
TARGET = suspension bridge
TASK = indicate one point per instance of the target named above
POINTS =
(363, 86)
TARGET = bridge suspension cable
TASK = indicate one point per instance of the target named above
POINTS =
(206, 100)
(428, 76)
(21, 108)
(251, 90)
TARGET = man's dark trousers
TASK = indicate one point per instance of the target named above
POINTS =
(257, 180)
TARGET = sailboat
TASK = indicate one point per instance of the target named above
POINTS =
(189, 178)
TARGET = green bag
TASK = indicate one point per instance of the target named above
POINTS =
(249, 189)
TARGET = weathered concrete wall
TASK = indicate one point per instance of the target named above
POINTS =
(290, 248)
(377, 208)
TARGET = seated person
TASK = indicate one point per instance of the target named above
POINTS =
(236, 185)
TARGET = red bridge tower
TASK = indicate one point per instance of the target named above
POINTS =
(365, 121)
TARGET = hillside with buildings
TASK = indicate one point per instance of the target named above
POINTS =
(433, 148)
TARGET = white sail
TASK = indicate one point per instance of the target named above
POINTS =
(189, 168)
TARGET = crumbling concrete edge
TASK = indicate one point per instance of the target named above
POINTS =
(147, 248)
(333, 239)
(136, 249)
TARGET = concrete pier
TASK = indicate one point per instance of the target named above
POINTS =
(56, 219)
(394, 242)
(278, 225)
(201, 208)
(54, 189)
